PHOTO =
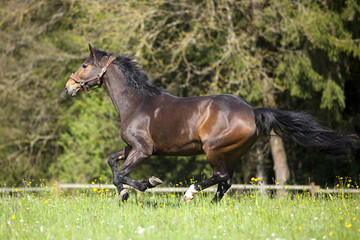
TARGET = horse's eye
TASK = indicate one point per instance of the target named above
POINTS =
(84, 66)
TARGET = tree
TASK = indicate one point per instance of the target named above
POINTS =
(301, 55)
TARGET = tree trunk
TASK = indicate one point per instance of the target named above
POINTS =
(281, 168)
(260, 167)
(260, 164)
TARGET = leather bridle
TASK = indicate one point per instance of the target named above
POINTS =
(98, 77)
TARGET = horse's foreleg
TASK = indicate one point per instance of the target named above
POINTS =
(113, 160)
(133, 161)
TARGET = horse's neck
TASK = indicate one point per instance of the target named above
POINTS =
(125, 98)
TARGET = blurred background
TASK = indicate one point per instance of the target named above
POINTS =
(291, 55)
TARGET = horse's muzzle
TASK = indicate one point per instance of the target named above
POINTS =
(71, 91)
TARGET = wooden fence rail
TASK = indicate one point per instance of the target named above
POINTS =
(57, 187)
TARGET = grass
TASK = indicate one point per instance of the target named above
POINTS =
(97, 214)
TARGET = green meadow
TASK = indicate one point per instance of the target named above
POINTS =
(98, 214)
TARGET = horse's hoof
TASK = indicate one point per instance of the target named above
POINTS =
(154, 181)
(187, 199)
(124, 195)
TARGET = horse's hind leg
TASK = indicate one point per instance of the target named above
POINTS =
(222, 188)
(220, 174)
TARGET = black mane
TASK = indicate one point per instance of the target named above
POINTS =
(134, 75)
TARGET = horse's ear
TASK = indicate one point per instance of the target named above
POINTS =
(92, 52)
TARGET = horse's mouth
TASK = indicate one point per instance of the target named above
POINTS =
(72, 91)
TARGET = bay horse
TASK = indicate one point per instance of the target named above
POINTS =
(223, 127)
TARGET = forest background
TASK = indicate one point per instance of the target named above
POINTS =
(291, 55)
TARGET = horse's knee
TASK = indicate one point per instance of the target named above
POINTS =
(115, 157)
(111, 161)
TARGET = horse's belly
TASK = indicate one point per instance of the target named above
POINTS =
(179, 149)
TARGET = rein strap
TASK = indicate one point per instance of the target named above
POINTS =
(82, 82)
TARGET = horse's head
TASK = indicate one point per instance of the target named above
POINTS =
(89, 74)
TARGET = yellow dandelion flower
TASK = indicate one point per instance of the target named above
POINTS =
(181, 214)
(94, 189)
(331, 233)
(13, 216)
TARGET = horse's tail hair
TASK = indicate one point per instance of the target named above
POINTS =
(304, 130)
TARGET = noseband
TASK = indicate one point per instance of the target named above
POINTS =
(98, 77)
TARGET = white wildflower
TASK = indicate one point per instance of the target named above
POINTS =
(140, 230)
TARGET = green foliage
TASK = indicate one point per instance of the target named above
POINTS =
(300, 55)
(92, 134)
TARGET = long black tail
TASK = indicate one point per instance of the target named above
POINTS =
(304, 130)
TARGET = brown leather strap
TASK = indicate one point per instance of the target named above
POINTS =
(98, 76)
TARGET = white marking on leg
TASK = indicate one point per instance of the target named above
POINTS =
(190, 193)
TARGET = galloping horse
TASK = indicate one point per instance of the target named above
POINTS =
(223, 127)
